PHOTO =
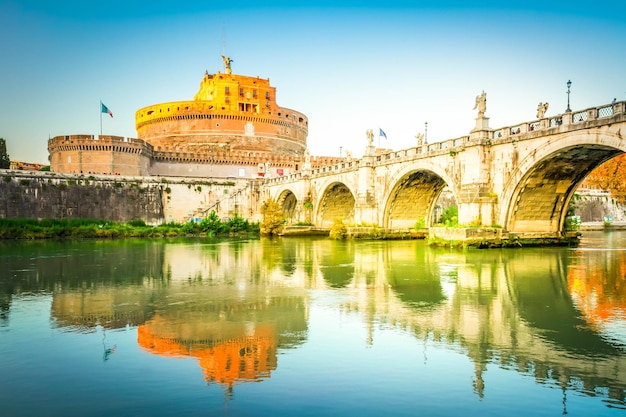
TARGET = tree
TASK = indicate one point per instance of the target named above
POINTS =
(5, 161)
(610, 176)
(273, 218)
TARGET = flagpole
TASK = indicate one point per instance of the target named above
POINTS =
(100, 118)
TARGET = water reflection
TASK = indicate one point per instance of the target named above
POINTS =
(556, 314)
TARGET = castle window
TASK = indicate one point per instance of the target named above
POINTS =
(150, 112)
(267, 104)
(226, 90)
(267, 95)
(241, 92)
(227, 100)
(254, 93)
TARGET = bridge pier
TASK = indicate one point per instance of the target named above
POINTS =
(477, 213)
(366, 207)
(477, 205)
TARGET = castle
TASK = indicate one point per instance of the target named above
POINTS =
(232, 128)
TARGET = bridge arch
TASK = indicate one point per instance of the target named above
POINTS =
(337, 201)
(413, 192)
(288, 202)
(539, 190)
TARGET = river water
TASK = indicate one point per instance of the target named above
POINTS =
(311, 327)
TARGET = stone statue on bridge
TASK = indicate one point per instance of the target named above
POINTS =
(420, 139)
(307, 160)
(370, 137)
(542, 108)
(481, 104)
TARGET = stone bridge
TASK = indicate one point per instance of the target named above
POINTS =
(520, 178)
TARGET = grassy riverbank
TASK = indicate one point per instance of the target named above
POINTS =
(94, 228)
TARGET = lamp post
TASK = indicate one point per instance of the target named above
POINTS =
(425, 132)
(569, 84)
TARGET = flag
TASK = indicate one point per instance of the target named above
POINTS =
(382, 133)
(105, 109)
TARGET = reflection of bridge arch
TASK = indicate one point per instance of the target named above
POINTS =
(336, 202)
(413, 195)
(539, 190)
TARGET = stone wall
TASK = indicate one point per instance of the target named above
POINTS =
(594, 205)
(48, 195)
(38, 195)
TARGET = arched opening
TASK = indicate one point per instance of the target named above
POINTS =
(541, 199)
(336, 203)
(288, 202)
(417, 201)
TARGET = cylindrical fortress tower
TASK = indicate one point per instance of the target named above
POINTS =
(104, 154)
(229, 112)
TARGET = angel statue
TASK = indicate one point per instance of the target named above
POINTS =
(542, 108)
(420, 139)
(481, 104)
(370, 137)
(227, 62)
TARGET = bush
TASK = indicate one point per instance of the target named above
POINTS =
(420, 224)
(338, 230)
(273, 218)
(237, 224)
(137, 223)
(450, 216)
(212, 224)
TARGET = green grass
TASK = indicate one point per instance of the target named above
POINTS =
(97, 228)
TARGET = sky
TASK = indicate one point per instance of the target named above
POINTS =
(405, 67)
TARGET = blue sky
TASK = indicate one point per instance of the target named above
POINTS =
(349, 66)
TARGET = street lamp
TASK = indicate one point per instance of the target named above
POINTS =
(425, 132)
(569, 84)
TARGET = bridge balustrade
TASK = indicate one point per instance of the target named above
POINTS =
(606, 111)
(580, 116)
(556, 121)
(459, 141)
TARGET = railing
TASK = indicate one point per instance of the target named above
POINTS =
(590, 114)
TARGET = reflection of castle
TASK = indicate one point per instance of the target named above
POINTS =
(235, 339)
(242, 359)
(111, 309)
(232, 127)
